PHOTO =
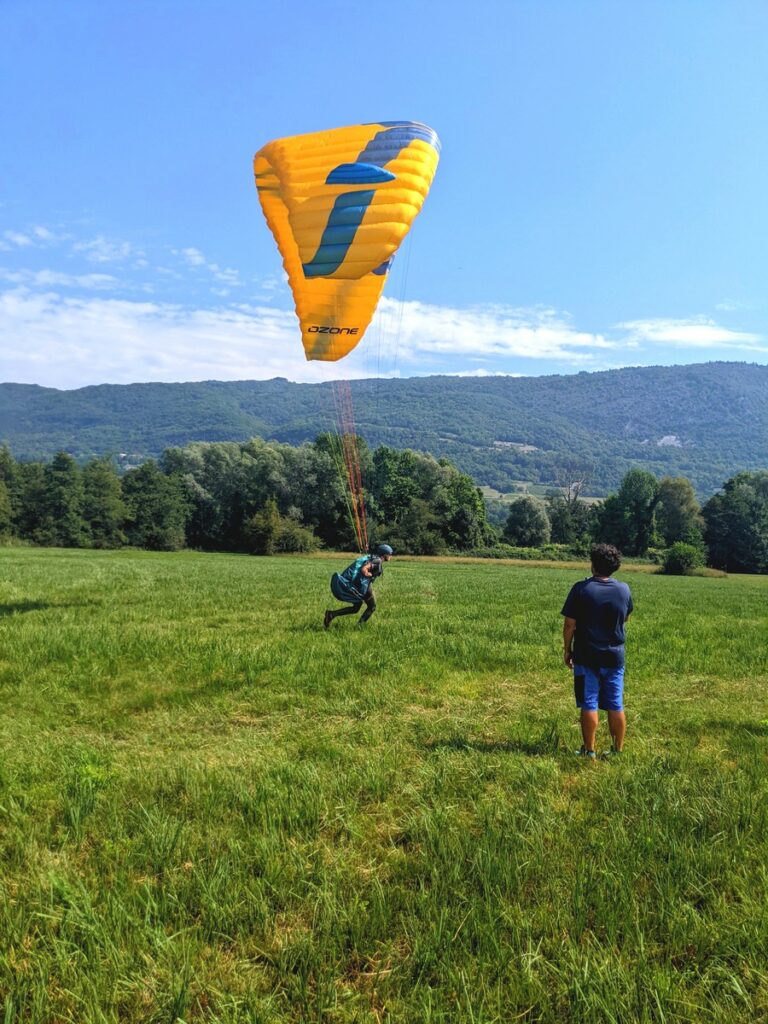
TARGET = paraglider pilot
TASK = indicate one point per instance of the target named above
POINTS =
(354, 585)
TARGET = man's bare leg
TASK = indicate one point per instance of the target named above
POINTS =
(617, 724)
(588, 728)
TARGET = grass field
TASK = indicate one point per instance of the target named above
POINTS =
(525, 487)
(213, 810)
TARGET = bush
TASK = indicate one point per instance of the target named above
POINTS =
(267, 532)
(263, 529)
(426, 542)
(295, 538)
(681, 559)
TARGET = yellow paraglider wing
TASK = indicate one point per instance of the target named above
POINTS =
(339, 203)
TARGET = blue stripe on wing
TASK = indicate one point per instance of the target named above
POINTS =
(358, 174)
(344, 220)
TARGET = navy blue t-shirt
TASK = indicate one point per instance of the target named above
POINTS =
(600, 608)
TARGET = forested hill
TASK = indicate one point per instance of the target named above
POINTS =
(705, 421)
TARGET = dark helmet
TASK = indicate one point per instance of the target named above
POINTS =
(382, 549)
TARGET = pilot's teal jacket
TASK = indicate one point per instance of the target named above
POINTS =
(351, 585)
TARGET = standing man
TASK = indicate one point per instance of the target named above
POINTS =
(353, 586)
(595, 612)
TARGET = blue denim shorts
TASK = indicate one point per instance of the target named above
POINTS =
(601, 688)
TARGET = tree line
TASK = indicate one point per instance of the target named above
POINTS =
(258, 496)
(657, 518)
(266, 497)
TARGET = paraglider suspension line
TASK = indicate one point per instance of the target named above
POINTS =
(345, 416)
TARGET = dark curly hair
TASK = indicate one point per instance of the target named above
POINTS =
(606, 559)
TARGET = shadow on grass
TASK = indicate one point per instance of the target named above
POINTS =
(183, 696)
(19, 607)
(546, 746)
(24, 606)
(728, 725)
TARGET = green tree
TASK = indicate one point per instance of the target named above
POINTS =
(527, 523)
(7, 465)
(264, 529)
(30, 479)
(6, 514)
(627, 519)
(103, 506)
(156, 507)
(214, 480)
(608, 524)
(465, 524)
(582, 517)
(425, 505)
(9, 475)
(418, 532)
(560, 521)
(61, 520)
(570, 520)
(496, 511)
(393, 482)
(736, 531)
(678, 515)
(323, 496)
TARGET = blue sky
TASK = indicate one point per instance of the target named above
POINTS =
(600, 200)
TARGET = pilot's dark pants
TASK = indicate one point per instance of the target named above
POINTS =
(354, 607)
(370, 602)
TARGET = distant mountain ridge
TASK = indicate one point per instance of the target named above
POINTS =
(705, 421)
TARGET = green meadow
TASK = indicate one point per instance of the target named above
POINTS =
(211, 809)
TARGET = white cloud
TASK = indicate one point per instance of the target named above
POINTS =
(16, 238)
(700, 332)
(38, 236)
(193, 257)
(53, 337)
(480, 372)
(274, 282)
(491, 331)
(224, 275)
(105, 250)
(56, 279)
(68, 342)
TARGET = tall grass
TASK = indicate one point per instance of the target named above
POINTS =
(211, 809)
